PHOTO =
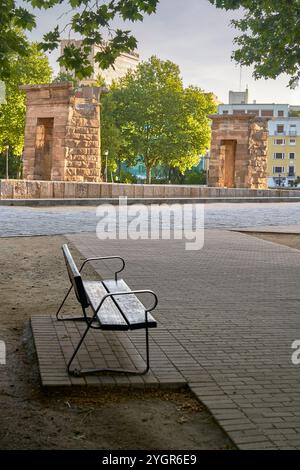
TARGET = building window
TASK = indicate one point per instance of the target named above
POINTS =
(292, 155)
(278, 169)
(225, 112)
(279, 141)
(280, 113)
(280, 129)
(292, 141)
(291, 171)
(279, 155)
(239, 111)
(293, 129)
(267, 112)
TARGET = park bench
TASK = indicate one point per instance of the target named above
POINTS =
(114, 306)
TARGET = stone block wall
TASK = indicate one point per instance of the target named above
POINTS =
(258, 150)
(24, 189)
(62, 133)
(239, 149)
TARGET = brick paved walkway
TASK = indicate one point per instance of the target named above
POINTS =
(231, 312)
(55, 342)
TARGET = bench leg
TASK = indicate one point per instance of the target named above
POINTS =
(147, 352)
(58, 318)
(77, 372)
(83, 372)
(62, 304)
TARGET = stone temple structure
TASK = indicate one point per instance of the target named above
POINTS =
(239, 151)
(62, 133)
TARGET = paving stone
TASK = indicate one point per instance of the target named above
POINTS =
(53, 355)
(227, 316)
(220, 314)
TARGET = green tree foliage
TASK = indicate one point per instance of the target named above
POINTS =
(270, 36)
(32, 69)
(150, 114)
(14, 165)
(92, 20)
(113, 139)
(195, 177)
(62, 77)
(294, 114)
(13, 21)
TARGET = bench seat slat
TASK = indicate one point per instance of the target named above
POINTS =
(132, 309)
(109, 316)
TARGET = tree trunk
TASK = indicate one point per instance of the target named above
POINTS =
(148, 174)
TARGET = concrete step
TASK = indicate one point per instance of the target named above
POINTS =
(146, 201)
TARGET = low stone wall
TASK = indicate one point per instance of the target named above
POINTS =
(24, 189)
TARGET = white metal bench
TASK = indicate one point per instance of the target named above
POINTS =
(113, 305)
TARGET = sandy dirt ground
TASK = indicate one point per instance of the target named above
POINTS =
(288, 239)
(33, 280)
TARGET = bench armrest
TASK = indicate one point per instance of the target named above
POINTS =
(112, 294)
(88, 260)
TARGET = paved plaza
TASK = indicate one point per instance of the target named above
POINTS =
(28, 221)
(228, 315)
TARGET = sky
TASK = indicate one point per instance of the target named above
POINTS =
(196, 36)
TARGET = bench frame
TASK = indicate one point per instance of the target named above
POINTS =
(92, 320)
(87, 260)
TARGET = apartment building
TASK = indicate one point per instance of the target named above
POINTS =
(262, 110)
(238, 97)
(123, 63)
(283, 141)
(284, 151)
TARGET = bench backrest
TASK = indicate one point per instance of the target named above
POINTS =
(75, 277)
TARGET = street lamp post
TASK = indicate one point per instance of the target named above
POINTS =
(206, 159)
(106, 157)
(7, 148)
(119, 171)
(147, 128)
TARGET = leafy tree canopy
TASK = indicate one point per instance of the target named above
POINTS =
(62, 77)
(269, 39)
(32, 69)
(149, 114)
(13, 20)
(270, 36)
(91, 19)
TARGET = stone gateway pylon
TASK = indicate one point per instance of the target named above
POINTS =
(239, 150)
(62, 133)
